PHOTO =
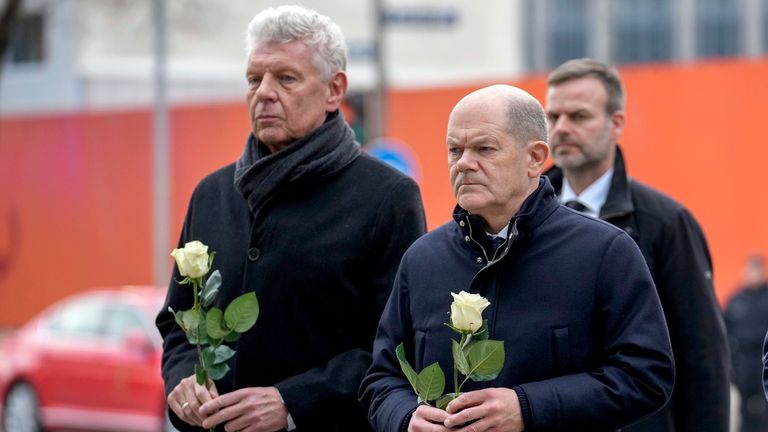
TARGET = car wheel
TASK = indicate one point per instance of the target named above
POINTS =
(22, 413)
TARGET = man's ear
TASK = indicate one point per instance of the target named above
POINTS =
(617, 125)
(538, 152)
(338, 88)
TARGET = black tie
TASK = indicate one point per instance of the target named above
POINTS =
(496, 241)
(576, 205)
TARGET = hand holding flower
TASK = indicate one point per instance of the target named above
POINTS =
(474, 355)
(206, 326)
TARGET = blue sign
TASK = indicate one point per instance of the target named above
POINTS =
(397, 154)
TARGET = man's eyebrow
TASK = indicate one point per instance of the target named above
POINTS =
(487, 137)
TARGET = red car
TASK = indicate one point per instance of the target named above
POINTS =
(90, 362)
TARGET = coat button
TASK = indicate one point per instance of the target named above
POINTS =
(253, 254)
(479, 260)
(466, 238)
(461, 223)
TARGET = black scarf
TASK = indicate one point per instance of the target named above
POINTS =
(325, 151)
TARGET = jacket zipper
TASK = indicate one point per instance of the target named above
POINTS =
(497, 280)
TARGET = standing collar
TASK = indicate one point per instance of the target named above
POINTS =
(534, 210)
(503, 233)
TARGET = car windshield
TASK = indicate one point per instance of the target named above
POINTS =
(105, 317)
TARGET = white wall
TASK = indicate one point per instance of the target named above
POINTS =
(101, 51)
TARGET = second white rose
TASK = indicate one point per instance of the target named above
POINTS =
(467, 310)
(192, 260)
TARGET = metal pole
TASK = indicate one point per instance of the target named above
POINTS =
(540, 35)
(685, 39)
(752, 11)
(161, 187)
(376, 109)
(599, 31)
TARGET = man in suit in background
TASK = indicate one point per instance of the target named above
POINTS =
(585, 111)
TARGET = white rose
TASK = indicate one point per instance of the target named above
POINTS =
(192, 260)
(467, 310)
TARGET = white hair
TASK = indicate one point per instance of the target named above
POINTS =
(289, 23)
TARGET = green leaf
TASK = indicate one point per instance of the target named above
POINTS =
(192, 338)
(177, 316)
(459, 359)
(211, 288)
(202, 331)
(213, 324)
(485, 358)
(211, 256)
(209, 357)
(410, 374)
(430, 382)
(223, 353)
(444, 400)
(200, 335)
(218, 371)
(184, 281)
(482, 332)
(190, 319)
(232, 336)
(201, 376)
(242, 313)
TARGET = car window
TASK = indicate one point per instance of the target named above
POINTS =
(121, 321)
(79, 319)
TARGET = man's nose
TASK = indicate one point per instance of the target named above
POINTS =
(267, 88)
(467, 161)
(559, 127)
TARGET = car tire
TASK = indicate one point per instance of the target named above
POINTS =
(22, 411)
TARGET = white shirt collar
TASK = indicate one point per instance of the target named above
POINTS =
(502, 233)
(594, 196)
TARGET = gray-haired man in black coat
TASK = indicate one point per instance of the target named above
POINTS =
(312, 225)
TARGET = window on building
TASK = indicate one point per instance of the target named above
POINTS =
(718, 28)
(641, 30)
(27, 40)
(567, 29)
(764, 25)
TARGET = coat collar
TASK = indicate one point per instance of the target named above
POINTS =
(320, 154)
(619, 200)
(535, 209)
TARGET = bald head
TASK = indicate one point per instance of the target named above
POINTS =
(496, 151)
(522, 114)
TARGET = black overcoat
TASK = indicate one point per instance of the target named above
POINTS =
(677, 254)
(321, 256)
